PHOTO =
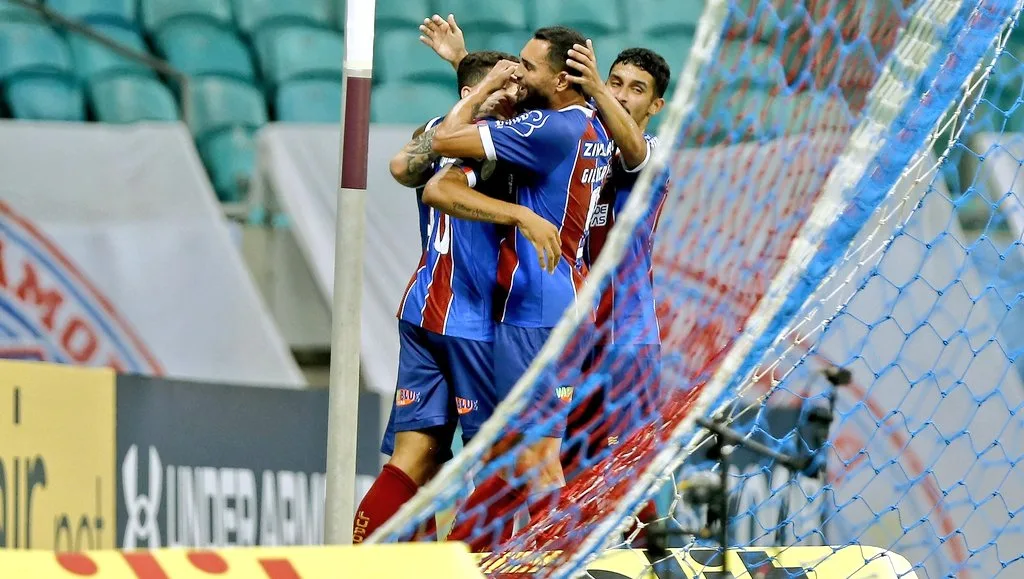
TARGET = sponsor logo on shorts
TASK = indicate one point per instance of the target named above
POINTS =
(465, 406)
(564, 393)
(405, 397)
(50, 312)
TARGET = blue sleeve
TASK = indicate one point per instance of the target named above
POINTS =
(537, 140)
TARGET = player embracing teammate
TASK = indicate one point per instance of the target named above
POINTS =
(510, 214)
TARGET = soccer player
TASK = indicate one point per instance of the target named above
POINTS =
(446, 329)
(562, 153)
(629, 348)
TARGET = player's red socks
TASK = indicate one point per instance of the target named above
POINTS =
(479, 530)
(389, 492)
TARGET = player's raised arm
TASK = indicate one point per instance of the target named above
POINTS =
(627, 135)
(451, 191)
(412, 166)
(457, 136)
(445, 38)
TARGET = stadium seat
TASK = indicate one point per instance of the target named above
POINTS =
(121, 12)
(300, 52)
(664, 17)
(27, 47)
(203, 48)
(511, 42)
(591, 17)
(230, 157)
(93, 60)
(11, 12)
(608, 48)
(45, 97)
(410, 103)
(497, 17)
(219, 103)
(404, 15)
(158, 13)
(761, 19)
(401, 57)
(252, 15)
(309, 101)
(131, 98)
(675, 49)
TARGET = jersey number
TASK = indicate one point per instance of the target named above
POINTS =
(443, 228)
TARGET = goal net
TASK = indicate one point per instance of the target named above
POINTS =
(835, 266)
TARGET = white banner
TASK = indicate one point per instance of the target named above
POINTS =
(298, 167)
(115, 252)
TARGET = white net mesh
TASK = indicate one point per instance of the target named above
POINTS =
(806, 228)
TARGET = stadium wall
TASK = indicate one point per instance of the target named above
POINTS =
(132, 263)
(93, 460)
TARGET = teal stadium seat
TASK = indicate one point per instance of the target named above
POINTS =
(309, 101)
(11, 12)
(404, 15)
(45, 97)
(121, 12)
(652, 18)
(220, 103)
(32, 47)
(230, 156)
(93, 60)
(765, 20)
(608, 48)
(477, 16)
(300, 52)
(511, 42)
(749, 63)
(253, 15)
(132, 98)
(401, 57)
(158, 13)
(203, 48)
(410, 103)
(591, 17)
(675, 49)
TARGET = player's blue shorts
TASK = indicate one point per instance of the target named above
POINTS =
(626, 397)
(551, 397)
(442, 380)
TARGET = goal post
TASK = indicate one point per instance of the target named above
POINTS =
(346, 333)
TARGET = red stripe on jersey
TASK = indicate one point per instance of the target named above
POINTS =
(508, 263)
(408, 288)
(580, 195)
(439, 291)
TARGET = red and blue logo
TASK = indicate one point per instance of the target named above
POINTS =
(50, 312)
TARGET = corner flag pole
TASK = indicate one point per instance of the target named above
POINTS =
(343, 403)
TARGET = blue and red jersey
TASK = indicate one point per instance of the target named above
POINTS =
(628, 305)
(453, 288)
(561, 159)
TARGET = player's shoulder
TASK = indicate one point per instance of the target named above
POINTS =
(651, 139)
(433, 122)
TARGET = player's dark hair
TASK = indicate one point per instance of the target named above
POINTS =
(474, 66)
(560, 40)
(650, 62)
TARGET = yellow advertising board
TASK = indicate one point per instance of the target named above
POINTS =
(445, 561)
(56, 457)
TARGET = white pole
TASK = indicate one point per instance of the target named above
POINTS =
(348, 272)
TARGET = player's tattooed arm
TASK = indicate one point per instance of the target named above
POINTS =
(449, 191)
(624, 131)
(445, 38)
(457, 136)
(411, 166)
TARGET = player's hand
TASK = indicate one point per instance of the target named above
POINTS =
(583, 60)
(501, 105)
(445, 38)
(543, 235)
(499, 76)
